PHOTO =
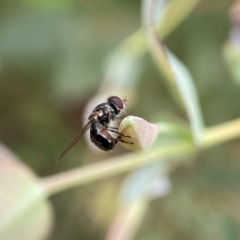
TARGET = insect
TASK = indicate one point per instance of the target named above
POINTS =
(99, 121)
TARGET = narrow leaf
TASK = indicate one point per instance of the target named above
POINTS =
(188, 95)
(175, 73)
(173, 14)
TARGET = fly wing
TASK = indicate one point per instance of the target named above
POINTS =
(75, 139)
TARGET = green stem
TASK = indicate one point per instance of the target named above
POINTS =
(221, 133)
(117, 165)
(111, 167)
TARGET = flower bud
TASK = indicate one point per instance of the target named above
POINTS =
(139, 133)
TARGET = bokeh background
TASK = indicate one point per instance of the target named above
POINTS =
(52, 61)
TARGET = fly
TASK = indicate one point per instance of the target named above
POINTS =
(98, 123)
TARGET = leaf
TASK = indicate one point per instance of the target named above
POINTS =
(145, 182)
(181, 79)
(138, 190)
(175, 72)
(173, 14)
(123, 66)
(24, 211)
(166, 15)
(189, 96)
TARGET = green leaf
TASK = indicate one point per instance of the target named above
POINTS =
(142, 183)
(173, 14)
(123, 66)
(181, 80)
(24, 213)
(172, 133)
(175, 72)
(189, 96)
(164, 15)
(138, 190)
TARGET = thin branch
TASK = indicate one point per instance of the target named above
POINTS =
(221, 133)
(111, 167)
(118, 165)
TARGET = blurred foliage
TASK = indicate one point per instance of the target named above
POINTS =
(25, 210)
(52, 59)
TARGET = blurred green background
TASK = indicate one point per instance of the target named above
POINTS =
(52, 58)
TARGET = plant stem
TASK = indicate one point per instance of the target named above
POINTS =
(111, 167)
(117, 165)
(221, 133)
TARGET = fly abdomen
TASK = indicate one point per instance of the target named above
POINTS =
(101, 137)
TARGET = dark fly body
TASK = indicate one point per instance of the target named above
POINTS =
(98, 122)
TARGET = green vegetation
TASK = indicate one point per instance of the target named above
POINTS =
(175, 63)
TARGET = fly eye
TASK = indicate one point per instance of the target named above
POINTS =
(116, 101)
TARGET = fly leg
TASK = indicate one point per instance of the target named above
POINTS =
(114, 128)
(120, 134)
(119, 139)
(125, 141)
